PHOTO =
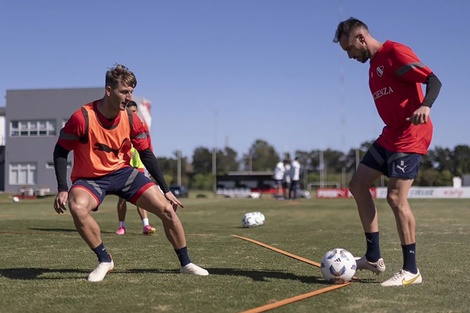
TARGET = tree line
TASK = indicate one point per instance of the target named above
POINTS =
(319, 167)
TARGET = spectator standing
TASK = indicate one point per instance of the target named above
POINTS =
(295, 177)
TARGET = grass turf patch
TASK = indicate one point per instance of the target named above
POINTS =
(44, 263)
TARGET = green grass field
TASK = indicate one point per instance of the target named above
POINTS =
(44, 263)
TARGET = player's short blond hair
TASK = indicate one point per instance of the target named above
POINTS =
(120, 73)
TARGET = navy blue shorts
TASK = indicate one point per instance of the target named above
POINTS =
(128, 183)
(393, 164)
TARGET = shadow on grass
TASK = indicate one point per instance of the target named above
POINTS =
(259, 275)
(58, 230)
(34, 273)
(64, 230)
(264, 275)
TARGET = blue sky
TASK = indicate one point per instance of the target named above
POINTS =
(232, 71)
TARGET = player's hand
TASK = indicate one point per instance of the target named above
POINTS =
(420, 116)
(173, 200)
(60, 202)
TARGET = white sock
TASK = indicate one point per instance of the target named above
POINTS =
(145, 221)
(122, 224)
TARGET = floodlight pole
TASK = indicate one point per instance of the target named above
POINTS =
(178, 168)
(214, 157)
(214, 170)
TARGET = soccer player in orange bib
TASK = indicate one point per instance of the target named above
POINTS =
(101, 134)
(396, 76)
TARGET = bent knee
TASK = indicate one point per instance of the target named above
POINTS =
(356, 186)
(396, 201)
(167, 213)
(80, 208)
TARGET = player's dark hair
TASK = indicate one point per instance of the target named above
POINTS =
(120, 73)
(131, 104)
(345, 27)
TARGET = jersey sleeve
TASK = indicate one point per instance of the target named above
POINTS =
(73, 130)
(139, 136)
(408, 66)
(147, 130)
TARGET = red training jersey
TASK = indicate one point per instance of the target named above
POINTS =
(395, 78)
(104, 145)
(147, 131)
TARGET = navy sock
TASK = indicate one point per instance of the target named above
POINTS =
(183, 256)
(409, 258)
(373, 247)
(102, 254)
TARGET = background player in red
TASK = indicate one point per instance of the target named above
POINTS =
(147, 229)
(396, 76)
(101, 134)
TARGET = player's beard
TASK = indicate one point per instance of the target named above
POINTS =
(365, 56)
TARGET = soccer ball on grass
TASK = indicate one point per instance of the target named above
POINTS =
(338, 266)
(253, 219)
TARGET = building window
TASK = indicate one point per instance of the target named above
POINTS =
(23, 173)
(32, 128)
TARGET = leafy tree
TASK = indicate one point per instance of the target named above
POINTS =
(334, 160)
(226, 160)
(355, 155)
(437, 168)
(461, 160)
(428, 177)
(441, 158)
(202, 160)
(261, 157)
(170, 171)
(202, 181)
(168, 167)
(444, 179)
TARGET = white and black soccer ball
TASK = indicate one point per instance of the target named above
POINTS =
(338, 266)
(253, 219)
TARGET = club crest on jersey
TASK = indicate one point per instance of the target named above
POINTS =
(380, 70)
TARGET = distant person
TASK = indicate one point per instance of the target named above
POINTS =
(295, 179)
(286, 182)
(396, 76)
(279, 172)
(135, 162)
(101, 134)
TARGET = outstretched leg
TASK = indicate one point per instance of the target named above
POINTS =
(155, 202)
(81, 203)
(359, 187)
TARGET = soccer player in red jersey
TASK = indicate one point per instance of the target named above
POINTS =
(122, 203)
(396, 76)
(101, 134)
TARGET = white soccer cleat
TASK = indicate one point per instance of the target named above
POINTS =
(100, 272)
(403, 278)
(192, 268)
(376, 267)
